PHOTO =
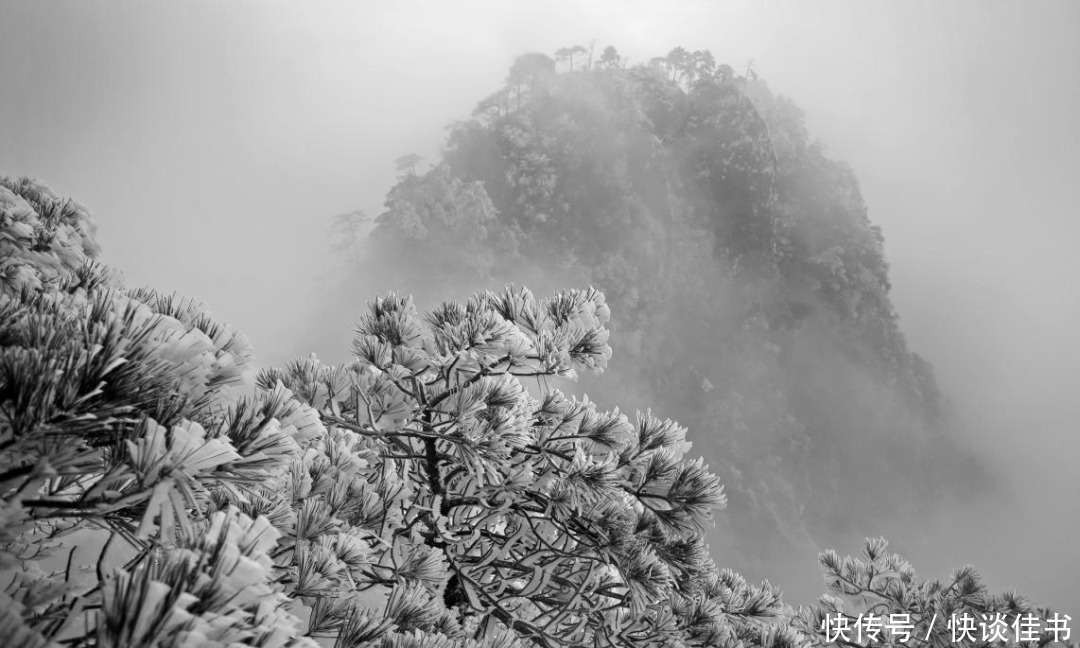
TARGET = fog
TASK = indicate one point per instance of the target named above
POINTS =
(215, 141)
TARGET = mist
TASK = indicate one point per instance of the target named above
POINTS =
(215, 142)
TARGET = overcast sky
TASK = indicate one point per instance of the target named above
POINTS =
(214, 140)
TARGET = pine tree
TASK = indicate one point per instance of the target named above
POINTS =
(490, 515)
(876, 599)
(154, 493)
(418, 496)
(113, 445)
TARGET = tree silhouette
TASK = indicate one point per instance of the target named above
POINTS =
(406, 164)
(568, 53)
(529, 70)
(347, 230)
(609, 59)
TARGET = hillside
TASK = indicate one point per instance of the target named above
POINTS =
(156, 493)
(750, 287)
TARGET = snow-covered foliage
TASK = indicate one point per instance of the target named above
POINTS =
(420, 495)
(43, 238)
(155, 493)
(115, 409)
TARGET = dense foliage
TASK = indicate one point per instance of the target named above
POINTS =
(154, 492)
(424, 470)
(750, 286)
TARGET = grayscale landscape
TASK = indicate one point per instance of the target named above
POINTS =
(484, 324)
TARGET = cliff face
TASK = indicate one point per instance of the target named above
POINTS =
(749, 289)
